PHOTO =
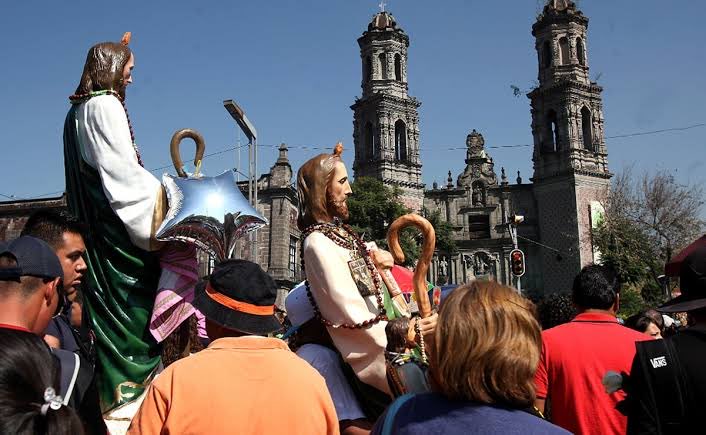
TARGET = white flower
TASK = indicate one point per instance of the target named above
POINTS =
(612, 382)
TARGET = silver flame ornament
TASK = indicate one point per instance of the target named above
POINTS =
(209, 212)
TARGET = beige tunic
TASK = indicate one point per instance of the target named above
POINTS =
(339, 301)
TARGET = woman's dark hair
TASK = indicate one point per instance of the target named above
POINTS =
(396, 331)
(27, 369)
(641, 321)
(554, 310)
(182, 342)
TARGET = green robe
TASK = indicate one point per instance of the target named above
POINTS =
(120, 285)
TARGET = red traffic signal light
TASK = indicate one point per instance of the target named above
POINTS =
(517, 262)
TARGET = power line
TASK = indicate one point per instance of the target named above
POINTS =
(540, 244)
(205, 155)
(43, 194)
(427, 148)
(664, 130)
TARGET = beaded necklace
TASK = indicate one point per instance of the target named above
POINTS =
(80, 98)
(345, 237)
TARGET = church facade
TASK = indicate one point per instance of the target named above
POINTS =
(560, 204)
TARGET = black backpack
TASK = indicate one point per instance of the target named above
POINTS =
(666, 382)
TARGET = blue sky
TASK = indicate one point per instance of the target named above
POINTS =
(294, 67)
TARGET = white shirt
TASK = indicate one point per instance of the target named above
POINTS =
(339, 301)
(327, 363)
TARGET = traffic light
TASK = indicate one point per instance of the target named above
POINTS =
(517, 262)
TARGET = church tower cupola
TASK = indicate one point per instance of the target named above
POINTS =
(567, 108)
(560, 33)
(385, 119)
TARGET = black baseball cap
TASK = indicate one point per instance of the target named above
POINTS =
(239, 295)
(34, 258)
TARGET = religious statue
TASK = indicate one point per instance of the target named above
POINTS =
(443, 267)
(343, 278)
(122, 204)
(478, 194)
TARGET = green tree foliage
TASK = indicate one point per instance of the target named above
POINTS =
(627, 248)
(648, 220)
(630, 302)
(373, 207)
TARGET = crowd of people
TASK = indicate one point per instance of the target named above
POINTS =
(495, 364)
(105, 329)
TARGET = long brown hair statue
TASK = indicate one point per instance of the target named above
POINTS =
(104, 67)
(312, 188)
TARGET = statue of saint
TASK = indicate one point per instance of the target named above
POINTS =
(122, 204)
(343, 282)
(443, 267)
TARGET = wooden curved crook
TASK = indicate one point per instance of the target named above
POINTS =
(174, 148)
(420, 272)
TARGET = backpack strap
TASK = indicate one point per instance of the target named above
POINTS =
(665, 381)
(69, 365)
(388, 424)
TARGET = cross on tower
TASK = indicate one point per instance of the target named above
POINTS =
(382, 5)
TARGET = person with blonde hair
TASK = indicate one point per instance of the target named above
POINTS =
(486, 349)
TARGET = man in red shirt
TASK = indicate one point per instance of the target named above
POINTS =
(576, 356)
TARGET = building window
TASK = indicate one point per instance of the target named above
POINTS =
(580, 52)
(551, 142)
(398, 67)
(383, 66)
(367, 69)
(371, 144)
(564, 58)
(479, 226)
(586, 128)
(292, 256)
(400, 141)
(547, 54)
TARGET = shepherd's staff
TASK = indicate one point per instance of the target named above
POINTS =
(176, 155)
(420, 272)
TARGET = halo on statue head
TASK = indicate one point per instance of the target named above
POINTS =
(338, 150)
(125, 40)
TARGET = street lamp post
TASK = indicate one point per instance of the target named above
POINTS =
(244, 123)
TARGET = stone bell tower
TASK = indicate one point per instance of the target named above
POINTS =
(385, 119)
(570, 156)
